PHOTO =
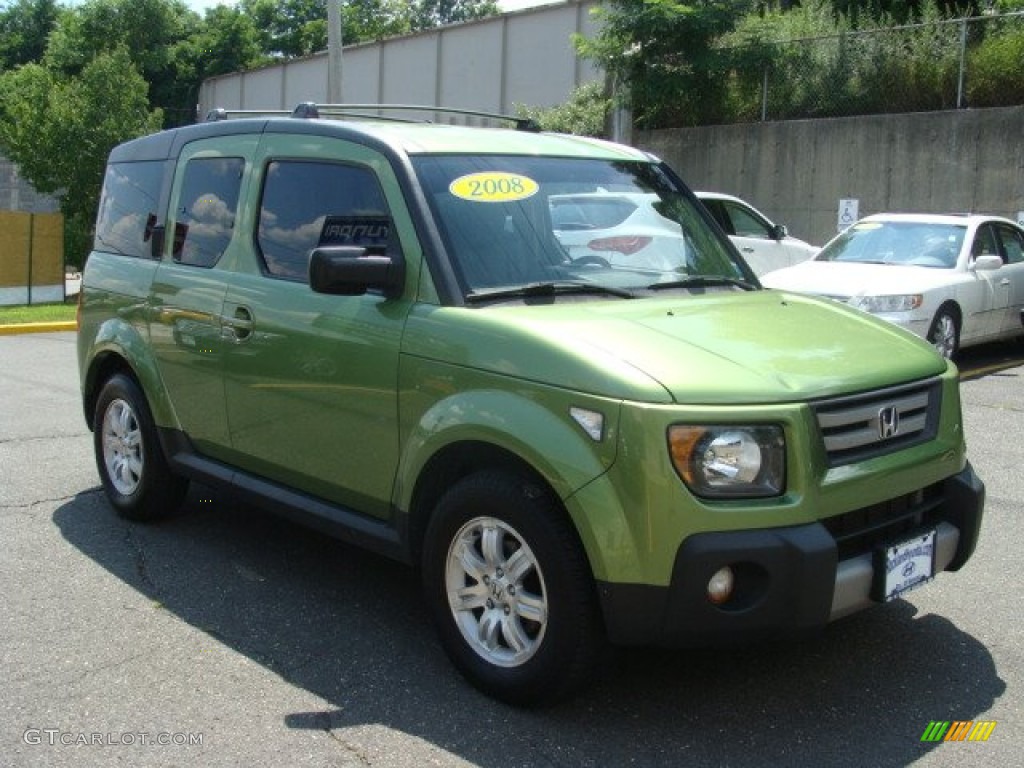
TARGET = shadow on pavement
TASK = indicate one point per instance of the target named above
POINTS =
(350, 628)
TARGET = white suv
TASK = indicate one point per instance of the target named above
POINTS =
(765, 246)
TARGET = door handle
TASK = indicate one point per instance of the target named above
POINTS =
(747, 249)
(238, 325)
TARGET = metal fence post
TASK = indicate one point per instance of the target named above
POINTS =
(31, 236)
(764, 96)
(963, 65)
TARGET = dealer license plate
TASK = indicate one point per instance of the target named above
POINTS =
(902, 567)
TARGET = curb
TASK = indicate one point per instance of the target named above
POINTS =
(15, 328)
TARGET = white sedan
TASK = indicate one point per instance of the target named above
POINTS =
(953, 280)
(765, 246)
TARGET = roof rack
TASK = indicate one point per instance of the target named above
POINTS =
(311, 110)
(223, 114)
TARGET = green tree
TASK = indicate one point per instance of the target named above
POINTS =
(427, 14)
(24, 27)
(226, 40)
(664, 52)
(150, 31)
(584, 114)
(60, 129)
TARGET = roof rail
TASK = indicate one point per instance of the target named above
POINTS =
(223, 114)
(311, 109)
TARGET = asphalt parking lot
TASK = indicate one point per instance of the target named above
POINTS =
(228, 637)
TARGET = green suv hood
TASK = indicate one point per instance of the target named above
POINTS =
(719, 348)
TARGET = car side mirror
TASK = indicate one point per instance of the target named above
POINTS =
(350, 270)
(779, 232)
(987, 263)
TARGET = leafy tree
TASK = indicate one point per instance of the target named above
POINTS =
(24, 27)
(226, 40)
(664, 51)
(584, 114)
(427, 14)
(290, 28)
(60, 129)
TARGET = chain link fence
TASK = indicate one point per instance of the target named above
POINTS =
(955, 64)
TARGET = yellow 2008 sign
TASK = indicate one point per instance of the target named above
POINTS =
(493, 187)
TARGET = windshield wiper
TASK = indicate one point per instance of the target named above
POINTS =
(701, 281)
(561, 287)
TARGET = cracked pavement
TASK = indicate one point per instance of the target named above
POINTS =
(279, 646)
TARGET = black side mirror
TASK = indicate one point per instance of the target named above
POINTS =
(779, 232)
(351, 270)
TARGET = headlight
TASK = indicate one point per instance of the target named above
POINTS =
(729, 461)
(879, 304)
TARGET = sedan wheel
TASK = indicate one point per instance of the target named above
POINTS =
(944, 334)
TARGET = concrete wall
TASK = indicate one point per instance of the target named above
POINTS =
(16, 194)
(797, 172)
(491, 64)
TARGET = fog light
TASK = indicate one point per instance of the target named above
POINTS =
(720, 585)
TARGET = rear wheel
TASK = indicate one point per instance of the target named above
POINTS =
(135, 475)
(511, 590)
(944, 334)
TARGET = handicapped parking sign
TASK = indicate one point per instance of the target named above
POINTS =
(848, 213)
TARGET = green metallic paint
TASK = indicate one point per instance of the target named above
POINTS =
(444, 405)
(725, 347)
(114, 321)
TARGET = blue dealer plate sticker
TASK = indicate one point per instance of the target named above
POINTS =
(906, 565)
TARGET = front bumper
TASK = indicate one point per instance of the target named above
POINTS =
(788, 580)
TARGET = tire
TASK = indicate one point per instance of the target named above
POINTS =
(944, 333)
(511, 591)
(132, 467)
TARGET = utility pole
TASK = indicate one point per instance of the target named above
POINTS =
(334, 43)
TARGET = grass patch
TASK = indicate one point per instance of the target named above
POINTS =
(37, 313)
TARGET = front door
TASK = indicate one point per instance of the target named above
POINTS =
(311, 379)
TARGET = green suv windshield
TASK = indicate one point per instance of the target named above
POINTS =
(515, 225)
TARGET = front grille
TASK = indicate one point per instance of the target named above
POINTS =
(860, 427)
(861, 530)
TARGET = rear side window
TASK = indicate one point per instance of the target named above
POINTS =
(128, 208)
(207, 206)
(1013, 244)
(745, 223)
(303, 202)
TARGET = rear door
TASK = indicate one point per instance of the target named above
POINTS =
(751, 233)
(311, 379)
(188, 289)
(1012, 244)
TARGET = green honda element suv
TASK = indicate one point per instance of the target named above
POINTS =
(532, 366)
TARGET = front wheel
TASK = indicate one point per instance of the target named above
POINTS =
(511, 590)
(944, 334)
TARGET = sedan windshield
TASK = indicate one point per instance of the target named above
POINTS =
(556, 226)
(910, 243)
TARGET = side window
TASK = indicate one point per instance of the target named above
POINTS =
(984, 242)
(207, 206)
(305, 204)
(745, 223)
(128, 208)
(720, 215)
(1013, 244)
